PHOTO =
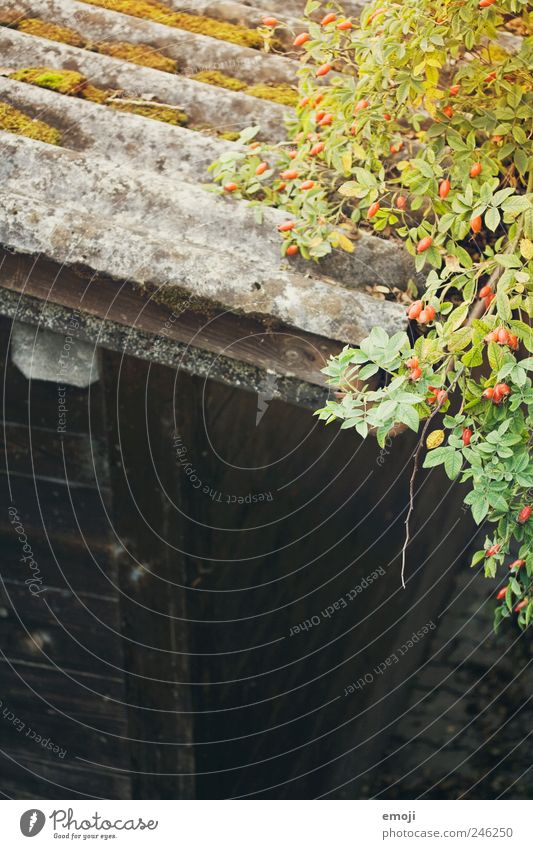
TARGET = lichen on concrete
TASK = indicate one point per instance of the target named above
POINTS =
(14, 121)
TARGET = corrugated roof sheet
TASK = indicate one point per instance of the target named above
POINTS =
(122, 193)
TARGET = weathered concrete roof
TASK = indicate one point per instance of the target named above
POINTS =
(123, 194)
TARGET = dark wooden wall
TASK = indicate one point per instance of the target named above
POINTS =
(160, 655)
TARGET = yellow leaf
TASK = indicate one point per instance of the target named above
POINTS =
(419, 69)
(346, 160)
(358, 151)
(349, 189)
(344, 243)
(526, 248)
(435, 439)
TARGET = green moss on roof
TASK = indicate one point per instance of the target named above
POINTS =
(154, 10)
(14, 121)
(44, 29)
(75, 84)
(152, 110)
(219, 79)
(139, 54)
(65, 82)
(283, 94)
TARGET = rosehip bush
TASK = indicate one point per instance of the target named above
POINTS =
(416, 123)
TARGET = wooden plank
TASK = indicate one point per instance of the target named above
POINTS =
(282, 350)
(65, 564)
(25, 776)
(152, 571)
(58, 627)
(43, 452)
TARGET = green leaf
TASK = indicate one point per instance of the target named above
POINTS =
(492, 218)
(480, 508)
(452, 464)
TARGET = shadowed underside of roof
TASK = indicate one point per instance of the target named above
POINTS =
(124, 195)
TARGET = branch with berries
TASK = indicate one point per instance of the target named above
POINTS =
(416, 124)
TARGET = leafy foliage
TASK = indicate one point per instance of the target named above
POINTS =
(422, 130)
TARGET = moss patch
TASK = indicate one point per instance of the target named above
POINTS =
(229, 135)
(139, 54)
(219, 79)
(283, 94)
(65, 82)
(154, 10)
(154, 111)
(75, 84)
(14, 121)
(43, 29)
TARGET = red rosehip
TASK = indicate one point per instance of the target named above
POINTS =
(323, 69)
(326, 120)
(521, 604)
(448, 111)
(301, 39)
(485, 291)
(328, 19)
(307, 184)
(503, 336)
(494, 549)
(431, 313)
(303, 102)
(501, 593)
(416, 373)
(488, 300)
(476, 224)
(415, 309)
(317, 148)
(373, 209)
(454, 89)
(270, 22)
(290, 174)
(231, 187)
(401, 202)
(444, 189)
(361, 104)
(344, 25)
(261, 168)
(475, 170)
(286, 226)
(424, 244)
(466, 436)
(525, 515)
(513, 341)
(516, 564)
(292, 250)
(488, 393)
(442, 397)
(484, 4)
(492, 336)
(413, 362)
(503, 389)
